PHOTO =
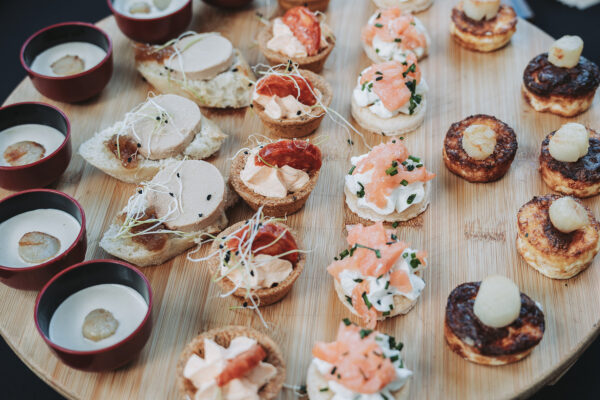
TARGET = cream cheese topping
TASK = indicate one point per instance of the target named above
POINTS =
(126, 304)
(202, 372)
(266, 270)
(366, 97)
(283, 107)
(399, 199)
(63, 226)
(272, 181)
(381, 293)
(284, 41)
(89, 53)
(341, 392)
(48, 137)
(389, 51)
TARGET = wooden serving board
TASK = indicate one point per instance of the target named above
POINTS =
(469, 229)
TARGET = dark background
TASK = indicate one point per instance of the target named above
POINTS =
(20, 18)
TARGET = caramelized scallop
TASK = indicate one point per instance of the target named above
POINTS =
(99, 324)
(38, 247)
(68, 65)
(23, 153)
(488, 169)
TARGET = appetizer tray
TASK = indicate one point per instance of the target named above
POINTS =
(469, 230)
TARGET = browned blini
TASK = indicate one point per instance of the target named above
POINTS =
(264, 296)
(485, 35)
(471, 339)
(563, 91)
(305, 124)
(580, 178)
(223, 337)
(312, 63)
(553, 253)
(490, 169)
(275, 207)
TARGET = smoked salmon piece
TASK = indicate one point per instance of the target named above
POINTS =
(241, 365)
(357, 360)
(306, 28)
(400, 280)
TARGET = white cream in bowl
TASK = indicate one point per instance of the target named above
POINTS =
(57, 223)
(88, 54)
(46, 136)
(146, 9)
(126, 305)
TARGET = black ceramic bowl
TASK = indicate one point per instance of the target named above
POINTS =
(35, 277)
(81, 276)
(70, 88)
(47, 170)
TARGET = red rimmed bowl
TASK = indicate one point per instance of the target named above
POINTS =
(228, 3)
(156, 30)
(81, 276)
(70, 88)
(36, 276)
(47, 170)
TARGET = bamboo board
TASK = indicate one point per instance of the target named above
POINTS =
(469, 229)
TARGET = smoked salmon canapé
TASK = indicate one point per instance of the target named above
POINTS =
(163, 129)
(276, 177)
(291, 102)
(257, 260)
(409, 6)
(390, 98)
(388, 184)
(204, 67)
(491, 322)
(483, 25)
(170, 214)
(301, 36)
(378, 276)
(391, 34)
(231, 363)
(359, 364)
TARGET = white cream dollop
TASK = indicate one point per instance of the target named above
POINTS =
(343, 393)
(266, 270)
(399, 199)
(569, 143)
(567, 215)
(202, 372)
(565, 52)
(283, 107)
(498, 301)
(479, 141)
(271, 181)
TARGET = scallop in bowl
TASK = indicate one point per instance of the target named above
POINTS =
(96, 315)
(35, 145)
(41, 233)
(69, 62)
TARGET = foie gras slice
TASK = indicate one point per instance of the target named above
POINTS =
(165, 125)
(199, 190)
(201, 57)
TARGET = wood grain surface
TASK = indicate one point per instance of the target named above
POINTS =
(469, 229)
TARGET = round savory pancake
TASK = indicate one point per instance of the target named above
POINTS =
(563, 91)
(484, 35)
(489, 169)
(471, 339)
(553, 253)
(580, 178)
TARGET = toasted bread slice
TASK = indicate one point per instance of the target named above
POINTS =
(206, 142)
(230, 89)
(223, 337)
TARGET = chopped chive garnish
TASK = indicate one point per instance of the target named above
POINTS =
(352, 170)
(349, 300)
(361, 192)
(404, 182)
(398, 40)
(365, 332)
(411, 198)
(385, 313)
(415, 159)
(324, 389)
(387, 285)
(378, 26)
(358, 280)
(395, 224)
(379, 78)
(366, 300)
(346, 321)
